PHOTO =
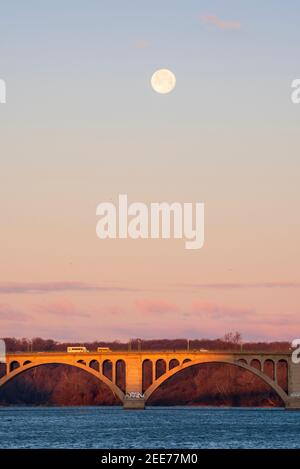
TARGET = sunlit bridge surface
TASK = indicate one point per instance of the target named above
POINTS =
(133, 377)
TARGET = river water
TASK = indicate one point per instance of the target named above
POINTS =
(156, 427)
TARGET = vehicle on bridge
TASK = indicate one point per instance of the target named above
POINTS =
(103, 349)
(77, 350)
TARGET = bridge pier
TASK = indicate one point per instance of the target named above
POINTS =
(133, 404)
(293, 402)
(134, 398)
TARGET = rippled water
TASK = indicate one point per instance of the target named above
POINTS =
(160, 427)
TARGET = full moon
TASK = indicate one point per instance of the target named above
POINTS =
(163, 81)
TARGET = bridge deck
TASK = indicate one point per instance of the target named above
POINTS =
(152, 353)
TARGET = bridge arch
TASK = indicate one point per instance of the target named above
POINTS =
(107, 369)
(282, 394)
(160, 368)
(282, 368)
(186, 360)
(120, 374)
(243, 361)
(95, 365)
(147, 374)
(173, 363)
(17, 371)
(256, 364)
(14, 365)
(269, 368)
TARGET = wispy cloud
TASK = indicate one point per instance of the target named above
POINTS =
(219, 311)
(52, 287)
(60, 308)
(155, 306)
(7, 313)
(245, 285)
(219, 23)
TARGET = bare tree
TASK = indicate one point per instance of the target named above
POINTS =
(234, 338)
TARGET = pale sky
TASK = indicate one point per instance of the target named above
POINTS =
(82, 125)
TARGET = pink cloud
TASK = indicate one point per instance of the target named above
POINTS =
(113, 310)
(155, 306)
(59, 308)
(244, 285)
(220, 23)
(54, 287)
(7, 313)
(288, 319)
(219, 311)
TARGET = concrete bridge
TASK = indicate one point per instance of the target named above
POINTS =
(133, 393)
